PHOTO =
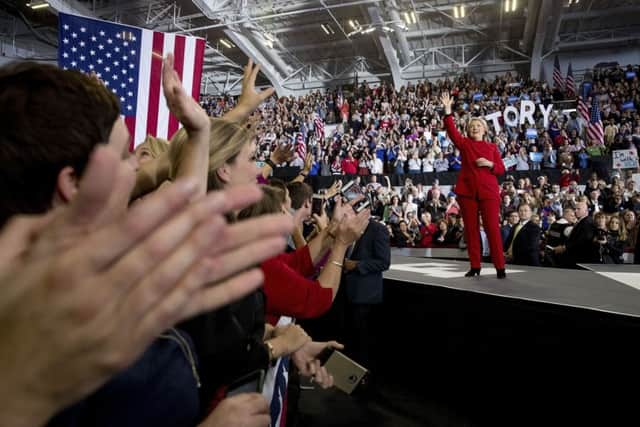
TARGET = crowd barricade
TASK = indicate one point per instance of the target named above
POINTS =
(427, 179)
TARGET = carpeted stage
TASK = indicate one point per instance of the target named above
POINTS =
(545, 346)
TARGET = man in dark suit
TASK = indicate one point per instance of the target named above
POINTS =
(371, 256)
(513, 219)
(580, 246)
(523, 243)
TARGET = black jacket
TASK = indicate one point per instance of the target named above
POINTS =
(526, 246)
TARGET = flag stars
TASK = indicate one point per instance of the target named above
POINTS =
(114, 77)
(74, 35)
(123, 85)
(99, 75)
(116, 63)
(125, 43)
(82, 44)
(130, 79)
(124, 71)
(124, 58)
(108, 55)
(107, 69)
(73, 49)
(65, 40)
(65, 26)
(94, 38)
(116, 49)
(102, 33)
(129, 107)
(91, 66)
(83, 30)
(101, 46)
(131, 66)
(122, 99)
(65, 55)
(82, 57)
(114, 91)
(74, 63)
(133, 53)
(109, 41)
(92, 52)
(99, 61)
(129, 93)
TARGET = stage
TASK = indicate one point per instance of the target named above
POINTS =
(607, 288)
(544, 346)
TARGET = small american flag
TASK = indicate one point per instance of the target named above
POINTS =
(558, 80)
(595, 130)
(301, 147)
(583, 110)
(129, 62)
(571, 84)
(318, 124)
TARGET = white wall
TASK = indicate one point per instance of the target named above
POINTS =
(582, 61)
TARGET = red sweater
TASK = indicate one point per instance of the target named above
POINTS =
(289, 292)
(349, 167)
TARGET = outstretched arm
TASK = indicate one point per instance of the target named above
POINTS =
(449, 124)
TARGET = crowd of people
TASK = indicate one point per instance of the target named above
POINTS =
(138, 289)
(143, 289)
(381, 130)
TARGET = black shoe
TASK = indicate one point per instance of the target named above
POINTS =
(501, 273)
(472, 272)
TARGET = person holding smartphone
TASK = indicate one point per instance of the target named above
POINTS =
(477, 187)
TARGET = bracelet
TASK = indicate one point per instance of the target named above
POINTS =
(304, 174)
(336, 263)
(270, 163)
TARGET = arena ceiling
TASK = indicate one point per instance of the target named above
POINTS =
(306, 44)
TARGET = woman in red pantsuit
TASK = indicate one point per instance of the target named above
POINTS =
(477, 188)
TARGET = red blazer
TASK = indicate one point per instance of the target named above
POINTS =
(288, 291)
(474, 181)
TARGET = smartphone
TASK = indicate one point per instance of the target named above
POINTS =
(250, 383)
(347, 373)
(362, 206)
(351, 190)
(316, 204)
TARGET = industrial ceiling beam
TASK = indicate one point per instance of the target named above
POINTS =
(389, 52)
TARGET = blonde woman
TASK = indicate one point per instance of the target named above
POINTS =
(477, 187)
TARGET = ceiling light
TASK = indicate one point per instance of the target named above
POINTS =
(513, 5)
(369, 30)
(413, 17)
(462, 11)
(506, 5)
(325, 29)
(38, 5)
(225, 43)
(455, 12)
(387, 29)
(353, 24)
(407, 18)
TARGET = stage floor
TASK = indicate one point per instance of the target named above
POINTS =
(606, 288)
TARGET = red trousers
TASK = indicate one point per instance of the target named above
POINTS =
(490, 211)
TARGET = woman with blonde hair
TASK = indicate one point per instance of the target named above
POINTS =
(477, 188)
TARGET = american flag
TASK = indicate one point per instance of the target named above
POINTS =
(318, 124)
(301, 147)
(595, 130)
(558, 80)
(129, 62)
(583, 109)
(571, 84)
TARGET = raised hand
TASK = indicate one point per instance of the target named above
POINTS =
(447, 102)
(250, 98)
(185, 108)
(281, 154)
